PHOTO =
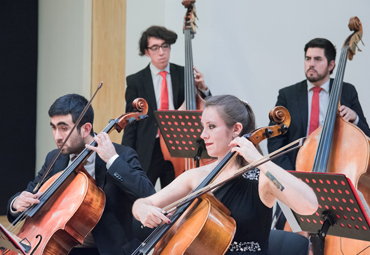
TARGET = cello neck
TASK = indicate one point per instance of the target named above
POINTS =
(66, 174)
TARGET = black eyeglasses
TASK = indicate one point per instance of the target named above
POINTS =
(165, 47)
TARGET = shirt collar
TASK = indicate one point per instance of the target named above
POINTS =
(324, 87)
(89, 160)
(156, 71)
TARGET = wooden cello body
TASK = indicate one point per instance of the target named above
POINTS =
(205, 226)
(340, 147)
(67, 218)
(71, 204)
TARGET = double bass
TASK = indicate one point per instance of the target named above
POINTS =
(339, 146)
(71, 204)
(193, 99)
(204, 225)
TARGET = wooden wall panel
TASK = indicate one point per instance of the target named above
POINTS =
(108, 45)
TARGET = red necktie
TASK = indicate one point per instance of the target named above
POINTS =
(164, 91)
(315, 110)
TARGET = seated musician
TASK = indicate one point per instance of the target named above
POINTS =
(250, 197)
(115, 168)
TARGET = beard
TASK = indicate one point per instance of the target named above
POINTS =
(317, 77)
(74, 145)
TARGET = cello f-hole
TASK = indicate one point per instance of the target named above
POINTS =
(37, 245)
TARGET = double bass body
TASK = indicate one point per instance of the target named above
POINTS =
(349, 155)
(340, 147)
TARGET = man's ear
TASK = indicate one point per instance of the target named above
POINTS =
(86, 129)
(147, 53)
(331, 65)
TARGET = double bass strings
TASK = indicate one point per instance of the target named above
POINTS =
(325, 145)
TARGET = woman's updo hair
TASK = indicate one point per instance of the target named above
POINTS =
(233, 110)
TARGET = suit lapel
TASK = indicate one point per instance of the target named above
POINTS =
(61, 163)
(147, 85)
(303, 104)
(175, 85)
(100, 170)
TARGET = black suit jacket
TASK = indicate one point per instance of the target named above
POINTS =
(295, 99)
(122, 184)
(141, 135)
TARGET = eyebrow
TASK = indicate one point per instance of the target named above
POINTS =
(158, 45)
(62, 123)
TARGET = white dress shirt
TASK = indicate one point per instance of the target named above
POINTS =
(324, 98)
(157, 83)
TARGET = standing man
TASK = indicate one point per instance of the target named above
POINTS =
(161, 84)
(114, 167)
(302, 98)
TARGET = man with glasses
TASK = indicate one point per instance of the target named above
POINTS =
(161, 84)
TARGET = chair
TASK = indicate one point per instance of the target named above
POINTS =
(287, 243)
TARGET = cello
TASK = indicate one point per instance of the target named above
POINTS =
(206, 222)
(339, 146)
(71, 204)
(193, 100)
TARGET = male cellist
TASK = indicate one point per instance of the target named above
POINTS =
(115, 168)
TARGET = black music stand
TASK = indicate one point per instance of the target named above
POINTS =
(340, 213)
(181, 132)
(8, 242)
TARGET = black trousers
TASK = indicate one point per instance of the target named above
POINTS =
(84, 251)
(159, 168)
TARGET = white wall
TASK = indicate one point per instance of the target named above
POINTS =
(64, 55)
(253, 48)
(245, 48)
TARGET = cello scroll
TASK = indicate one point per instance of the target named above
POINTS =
(279, 115)
(141, 106)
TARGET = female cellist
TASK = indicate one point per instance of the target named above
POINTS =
(250, 197)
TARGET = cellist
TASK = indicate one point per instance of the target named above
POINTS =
(301, 101)
(115, 168)
(161, 84)
(250, 197)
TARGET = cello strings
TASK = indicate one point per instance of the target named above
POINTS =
(15, 224)
(240, 171)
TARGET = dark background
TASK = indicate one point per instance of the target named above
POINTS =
(18, 91)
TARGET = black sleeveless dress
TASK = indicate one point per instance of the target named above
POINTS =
(253, 218)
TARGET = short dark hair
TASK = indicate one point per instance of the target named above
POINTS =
(73, 104)
(158, 32)
(322, 43)
(233, 110)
